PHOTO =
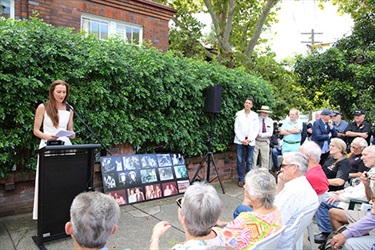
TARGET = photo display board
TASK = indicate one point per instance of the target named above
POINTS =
(137, 178)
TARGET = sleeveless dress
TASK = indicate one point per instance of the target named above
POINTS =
(48, 128)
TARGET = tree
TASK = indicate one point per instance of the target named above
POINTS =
(237, 25)
(345, 74)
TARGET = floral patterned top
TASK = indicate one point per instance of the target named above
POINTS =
(249, 228)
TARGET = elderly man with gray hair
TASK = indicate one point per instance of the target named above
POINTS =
(315, 174)
(198, 212)
(93, 218)
(295, 194)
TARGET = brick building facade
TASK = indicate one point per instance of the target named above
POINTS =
(149, 19)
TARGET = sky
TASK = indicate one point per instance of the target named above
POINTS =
(296, 17)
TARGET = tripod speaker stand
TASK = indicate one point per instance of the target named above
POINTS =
(208, 158)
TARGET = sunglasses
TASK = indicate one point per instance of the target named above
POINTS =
(178, 202)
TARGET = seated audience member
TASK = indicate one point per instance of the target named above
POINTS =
(356, 163)
(315, 174)
(339, 217)
(326, 215)
(337, 167)
(198, 212)
(264, 219)
(275, 145)
(354, 237)
(294, 194)
(93, 218)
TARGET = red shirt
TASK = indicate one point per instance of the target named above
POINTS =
(318, 179)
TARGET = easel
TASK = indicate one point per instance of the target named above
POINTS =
(207, 159)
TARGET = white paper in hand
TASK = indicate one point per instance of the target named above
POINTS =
(63, 132)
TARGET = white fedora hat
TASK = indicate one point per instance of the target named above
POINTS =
(265, 109)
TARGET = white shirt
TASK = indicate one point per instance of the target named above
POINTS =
(295, 198)
(269, 128)
(246, 126)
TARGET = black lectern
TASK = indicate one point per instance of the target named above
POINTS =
(64, 172)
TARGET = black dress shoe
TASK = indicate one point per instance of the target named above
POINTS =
(320, 238)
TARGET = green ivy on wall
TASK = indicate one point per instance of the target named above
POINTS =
(122, 92)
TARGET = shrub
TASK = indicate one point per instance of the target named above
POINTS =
(122, 92)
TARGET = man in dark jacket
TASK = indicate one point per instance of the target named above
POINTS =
(322, 133)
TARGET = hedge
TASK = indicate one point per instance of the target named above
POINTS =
(124, 93)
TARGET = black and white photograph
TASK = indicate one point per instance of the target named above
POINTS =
(180, 172)
(121, 179)
(109, 181)
(118, 162)
(131, 162)
(108, 164)
(164, 160)
(133, 178)
(165, 173)
(148, 161)
(148, 175)
(169, 188)
(177, 159)
(183, 185)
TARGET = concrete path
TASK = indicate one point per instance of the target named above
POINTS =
(135, 225)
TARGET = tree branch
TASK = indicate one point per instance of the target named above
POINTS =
(258, 28)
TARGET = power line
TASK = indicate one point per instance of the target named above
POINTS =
(312, 39)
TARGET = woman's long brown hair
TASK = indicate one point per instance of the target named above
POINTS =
(50, 105)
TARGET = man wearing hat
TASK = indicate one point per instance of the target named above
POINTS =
(339, 124)
(262, 141)
(322, 133)
(358, 128)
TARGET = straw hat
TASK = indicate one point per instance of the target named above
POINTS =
(265, 109)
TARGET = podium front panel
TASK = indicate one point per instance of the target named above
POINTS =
(65, 178)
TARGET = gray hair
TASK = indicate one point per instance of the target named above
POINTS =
(299, 159)
(311, 149)
(93, 216)
(201, 208)
(261, 185)
(360, 141)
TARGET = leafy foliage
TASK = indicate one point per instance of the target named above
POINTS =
(150, 99)
(343, 75)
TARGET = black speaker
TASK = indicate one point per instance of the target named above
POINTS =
(213, 99)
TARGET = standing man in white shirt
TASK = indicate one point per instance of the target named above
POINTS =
(262, 141)
(246, 127)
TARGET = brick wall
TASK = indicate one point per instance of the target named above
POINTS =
(17, 191)
(153, 17)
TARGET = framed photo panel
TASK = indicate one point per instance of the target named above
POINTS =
(131, 179)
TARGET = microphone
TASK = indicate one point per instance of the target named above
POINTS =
(68, 107)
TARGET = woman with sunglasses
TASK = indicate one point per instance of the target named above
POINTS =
(198, 212)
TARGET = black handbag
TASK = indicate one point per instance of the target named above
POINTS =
(327, 244)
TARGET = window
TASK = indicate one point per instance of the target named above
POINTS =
(103, 28)
(7, 8)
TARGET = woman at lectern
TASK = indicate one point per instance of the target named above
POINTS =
(56, 116)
